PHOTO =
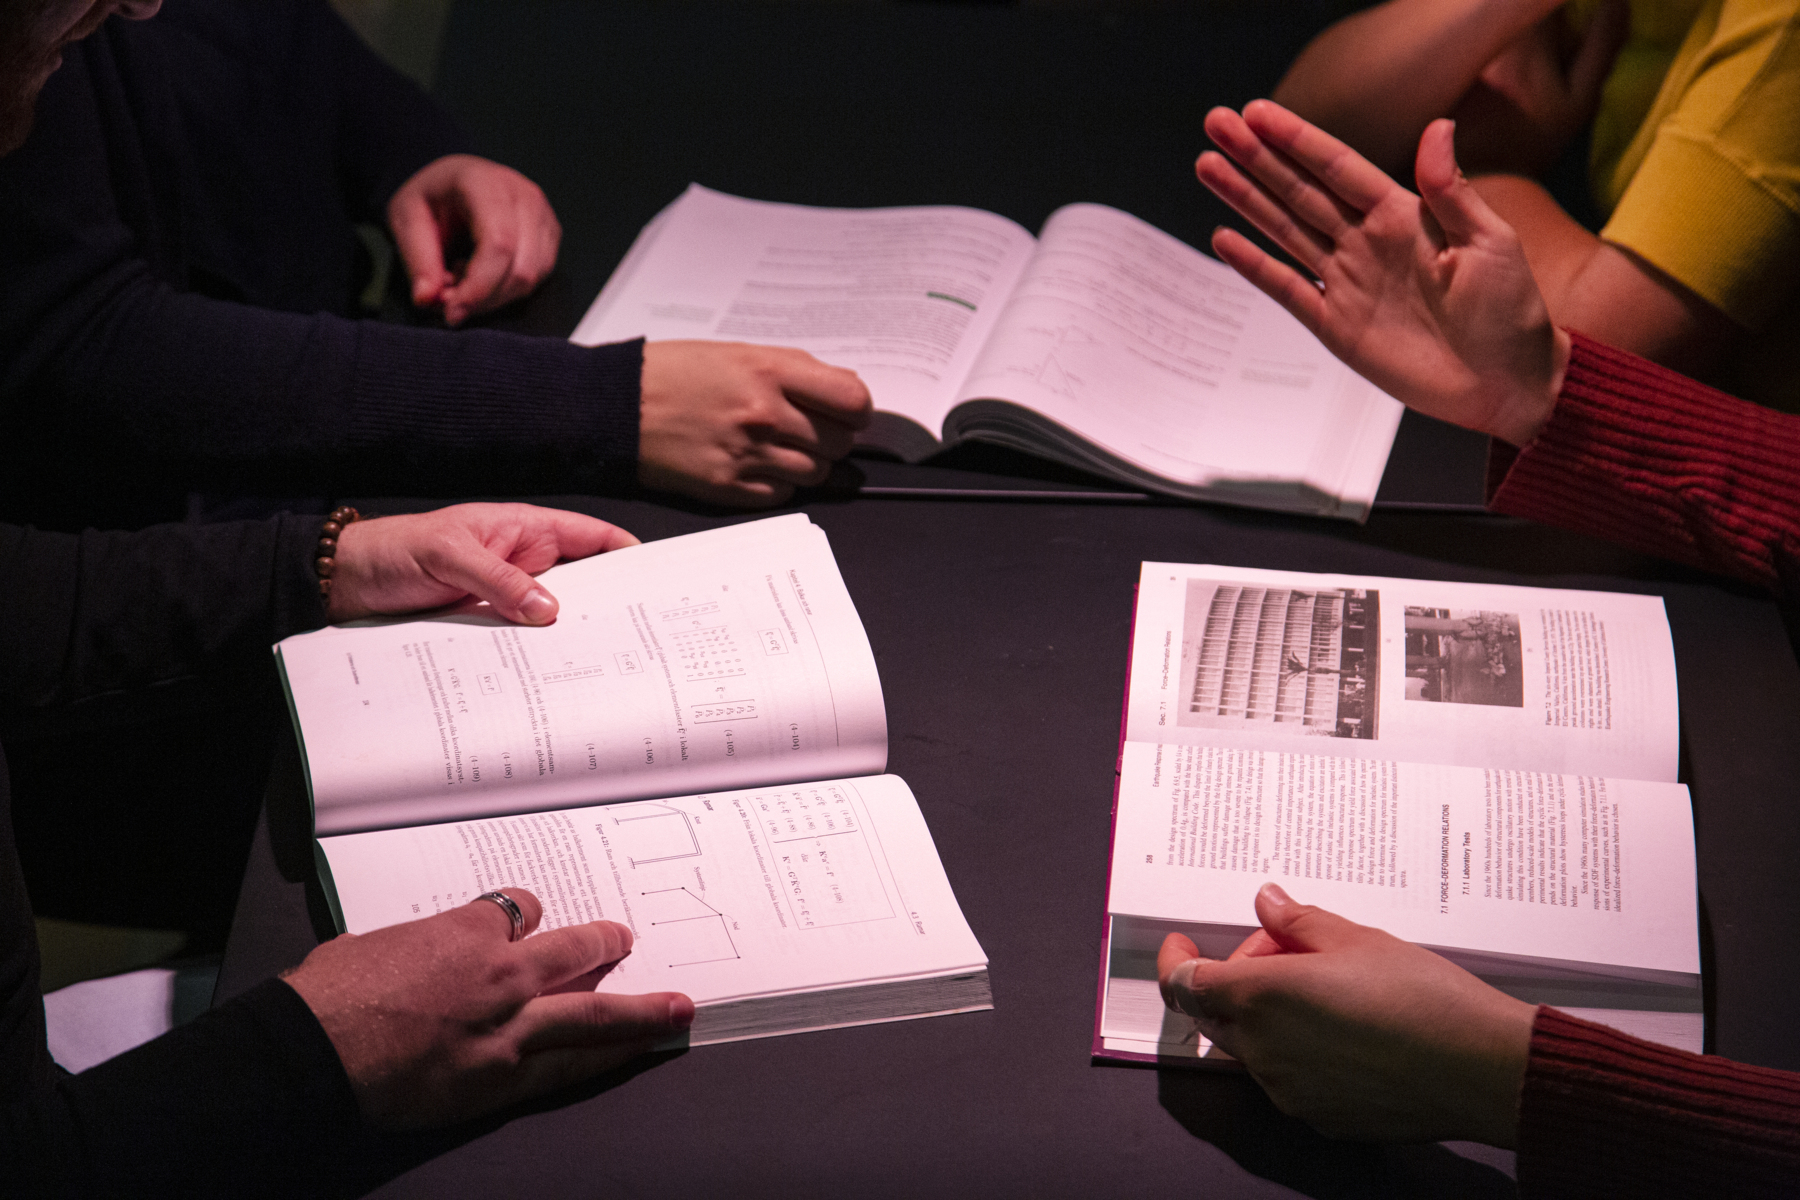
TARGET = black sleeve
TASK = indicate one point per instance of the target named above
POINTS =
(155, 328)
(249, 1099)
(95, 618)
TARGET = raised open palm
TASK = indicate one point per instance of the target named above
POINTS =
(1430, 299)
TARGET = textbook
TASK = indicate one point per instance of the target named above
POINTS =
(693, 749)
(1486, 770)
(1103, 344)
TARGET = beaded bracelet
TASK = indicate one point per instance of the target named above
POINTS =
(326, 562)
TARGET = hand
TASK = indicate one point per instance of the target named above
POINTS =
(1535, 95)
(514, 233)
(488, 551)
(1356, 1032)
(1431, 301)
(738, 424)
(444, 1019)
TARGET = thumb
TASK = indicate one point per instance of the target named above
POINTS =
(484, 575)
(1298, 928)
(1459, 210)
(420, 243)
(483, 282)
(1176, 963)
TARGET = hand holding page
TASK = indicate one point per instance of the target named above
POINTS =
(1105, 344)
(666, 756)
(721, 659)
(1487, 771)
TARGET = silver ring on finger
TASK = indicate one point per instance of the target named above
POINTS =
(512, 910)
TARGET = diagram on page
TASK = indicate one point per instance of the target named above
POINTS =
(712, 881)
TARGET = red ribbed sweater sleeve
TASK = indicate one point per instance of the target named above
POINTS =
(1606, 1114)
(1641, 455)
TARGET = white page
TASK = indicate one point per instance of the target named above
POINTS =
(1508, 862)
(620, 279)
(1167, 358)
(902, 296)
(741, 894)
(726, 658)
(1532, 679)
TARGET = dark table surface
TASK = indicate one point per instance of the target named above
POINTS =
(1001, 628)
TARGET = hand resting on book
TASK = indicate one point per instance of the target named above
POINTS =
(739, 424)
(1356, 1032)
(489, 551)
(444, 1019)
(1429, 299)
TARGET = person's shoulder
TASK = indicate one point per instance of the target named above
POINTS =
(240, 28)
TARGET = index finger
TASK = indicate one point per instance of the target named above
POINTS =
(487, 281)
(420, 242)
(576, 535)
(833, 392)
(1349, 176)
(559, 955)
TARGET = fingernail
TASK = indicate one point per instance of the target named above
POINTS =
(681, 1012)
(538, 607)
(1181, 987)
(1274, 895)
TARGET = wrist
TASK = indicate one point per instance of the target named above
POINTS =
(1530, 408)
(1495, 1118)
(338, 562)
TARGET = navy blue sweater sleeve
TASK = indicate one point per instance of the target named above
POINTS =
(176, 242)
(241, 1101)
(96, 616)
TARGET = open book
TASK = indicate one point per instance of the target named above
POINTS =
(693, 749)
(1486, 770)
(1104, 344)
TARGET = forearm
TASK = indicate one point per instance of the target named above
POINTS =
(106, 615)
(1597, 288)
(1377, 78)
(1646, 457)
(249, 1099)
(233, 398)
(1603, 1114)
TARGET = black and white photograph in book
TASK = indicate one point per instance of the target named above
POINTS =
(1294, 660)
(1463, 656)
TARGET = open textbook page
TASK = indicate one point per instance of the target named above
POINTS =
(1565, 889)
(775, 909)
(1479, 675)
(1176, 374)
(728, 658)
(902, 296)
(1106, 344)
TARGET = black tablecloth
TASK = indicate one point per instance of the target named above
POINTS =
(1001, 632)
(1001, 628)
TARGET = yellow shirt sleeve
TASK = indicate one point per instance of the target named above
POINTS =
(1710, 185)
